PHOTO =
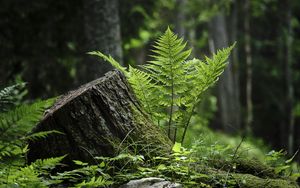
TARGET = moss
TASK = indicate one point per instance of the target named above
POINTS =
(246, 166)
(147, 138)
(220, 178)
(251, 181)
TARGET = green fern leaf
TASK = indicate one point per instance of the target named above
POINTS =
(17, 123)
(144, 87)
(109, 59)
(41, 135)
(11, 95)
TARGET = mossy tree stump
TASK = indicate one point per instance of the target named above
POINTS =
(101, 118)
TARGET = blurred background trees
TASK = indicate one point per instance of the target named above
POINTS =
(45, 42)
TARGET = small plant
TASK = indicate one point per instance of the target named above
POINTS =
(172, 85)
(16, 122)
(11, 96)
(281, 165)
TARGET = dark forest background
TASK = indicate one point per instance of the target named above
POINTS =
(44, 43)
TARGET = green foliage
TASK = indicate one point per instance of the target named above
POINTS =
(170, 86)
(283, 166)
(110, 59)
(41, 135)
(94, 182)
(15, 124)
(108, 171)
(190, 167)
(11, 96)
(30, 176)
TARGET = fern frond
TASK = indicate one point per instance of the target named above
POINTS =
(41, 135)
(16, 123)
(144, 87)
(10, 95)
(209, 72)
(95, 182)
(43, 165)
(204, 76)
(22, 119)
(169, 54)
(30, 176)
(109, 59)
(169, 57)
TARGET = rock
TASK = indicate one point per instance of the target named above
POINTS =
(151, 182)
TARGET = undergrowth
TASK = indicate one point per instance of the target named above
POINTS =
(169, 88)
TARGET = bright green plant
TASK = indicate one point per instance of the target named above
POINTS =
(171, 85)
(282, 165)
(33, 175)
(16, 122)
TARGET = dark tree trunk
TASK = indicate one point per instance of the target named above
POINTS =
(288, 77)
(227, 98)
(100, 118)
(180, 18)
(285, 41)
(248, 54)
(102, 33)
(233, 23)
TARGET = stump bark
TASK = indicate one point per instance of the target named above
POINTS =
(101, 118)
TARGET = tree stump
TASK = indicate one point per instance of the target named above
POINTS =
(101, 118)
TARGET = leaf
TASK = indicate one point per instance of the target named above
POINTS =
(176, 148)
(292, 158)
(102, 164)
(95, 182)
(41, 135)
(161, 167)
(109, 59)
(295, 176)
(281, 168)
(80, 163)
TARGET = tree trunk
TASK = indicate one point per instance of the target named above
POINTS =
(285, 39)
(180, 7)
(288, 77)
(249, 104)
(102, 33)
(101, 118)
(227, 100)
(235, 59)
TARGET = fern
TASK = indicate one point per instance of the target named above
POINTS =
(30, 176)
(40, 135)
(18, 122)
(170, 86)
(109, 59)
(144, 88)
(11, 95)
(166, 68)
(141, 83)
(95, 182)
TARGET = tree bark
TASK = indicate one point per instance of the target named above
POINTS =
(227, 100)
(101, 118)
(235, 58)
(180, 7)
(248, 51)
(288, 77)
(102, 33)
